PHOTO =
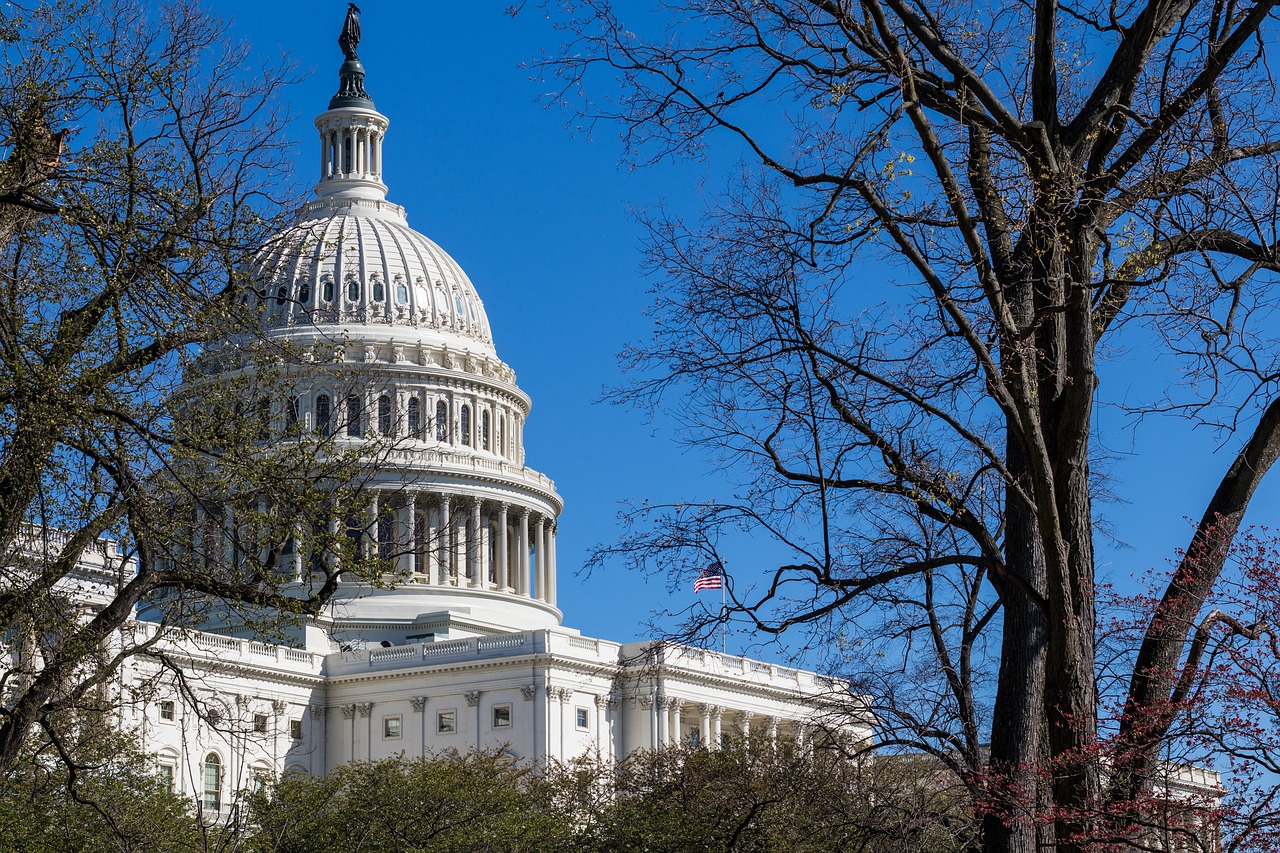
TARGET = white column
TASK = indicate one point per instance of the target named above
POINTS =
(660, 708)
(716, 734)
(371, 529)
(746, 727)
(504, 582)
(704, 727)
(677, 732)
(522, 542)
(551, 564)
(446, 540)
(474, 551)
(773, 734)
(540, 552)
(404, 537)
(428, 549)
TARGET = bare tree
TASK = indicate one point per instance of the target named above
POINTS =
(138, 394)
(1043, 185)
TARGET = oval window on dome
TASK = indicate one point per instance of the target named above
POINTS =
(402, 291)
(379, 292)
(282, 292)
(353, 289)
(304, 291)
(326, 288)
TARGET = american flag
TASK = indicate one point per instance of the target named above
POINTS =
(712, 577)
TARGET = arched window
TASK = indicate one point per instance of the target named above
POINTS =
(415, 418)
(378, 292)
(322, 415)
(384, 415)
(464, 424)
(326, 289)
(442, 421)
(353, 289)
(355, 427)
(304, 291)
(281, 293)
(212, 782)
(484, 430)
(292, 414)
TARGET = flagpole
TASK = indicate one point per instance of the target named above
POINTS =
(724, 620)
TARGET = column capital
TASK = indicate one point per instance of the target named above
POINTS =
(348, 712)
(365, 708)
(472, 697)
(418, 703)
(476, 501)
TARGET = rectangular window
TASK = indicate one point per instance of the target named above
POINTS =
(391, 727)
(295, 729)
(167, 776)
(447, 722)
(260, 723)
(501, 716)
(584, 719)
(167, 711)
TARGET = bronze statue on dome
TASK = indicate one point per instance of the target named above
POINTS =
(350, 36)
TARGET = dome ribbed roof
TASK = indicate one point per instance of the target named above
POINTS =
(357, 261)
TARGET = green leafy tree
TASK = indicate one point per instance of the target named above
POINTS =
(481, 802)
(92, 793)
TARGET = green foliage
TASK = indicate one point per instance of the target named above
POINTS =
(755, 799)
(747, 799)
(94, 794)
(480, 802)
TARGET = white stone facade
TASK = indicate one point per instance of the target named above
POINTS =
(466, 650)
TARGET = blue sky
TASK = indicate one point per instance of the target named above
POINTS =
(537, 213)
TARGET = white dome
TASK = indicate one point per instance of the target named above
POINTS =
(357, 261)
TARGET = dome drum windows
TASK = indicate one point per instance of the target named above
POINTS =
(379, 292)
(442, 421)
(415, 418)
(484, 430)
(355, 417)
(384, 416)
(326, 288)
(353, 289)
(464, 425)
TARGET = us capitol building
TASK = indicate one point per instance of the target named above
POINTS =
(467, 650)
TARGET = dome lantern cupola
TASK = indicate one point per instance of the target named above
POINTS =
(351, 130)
